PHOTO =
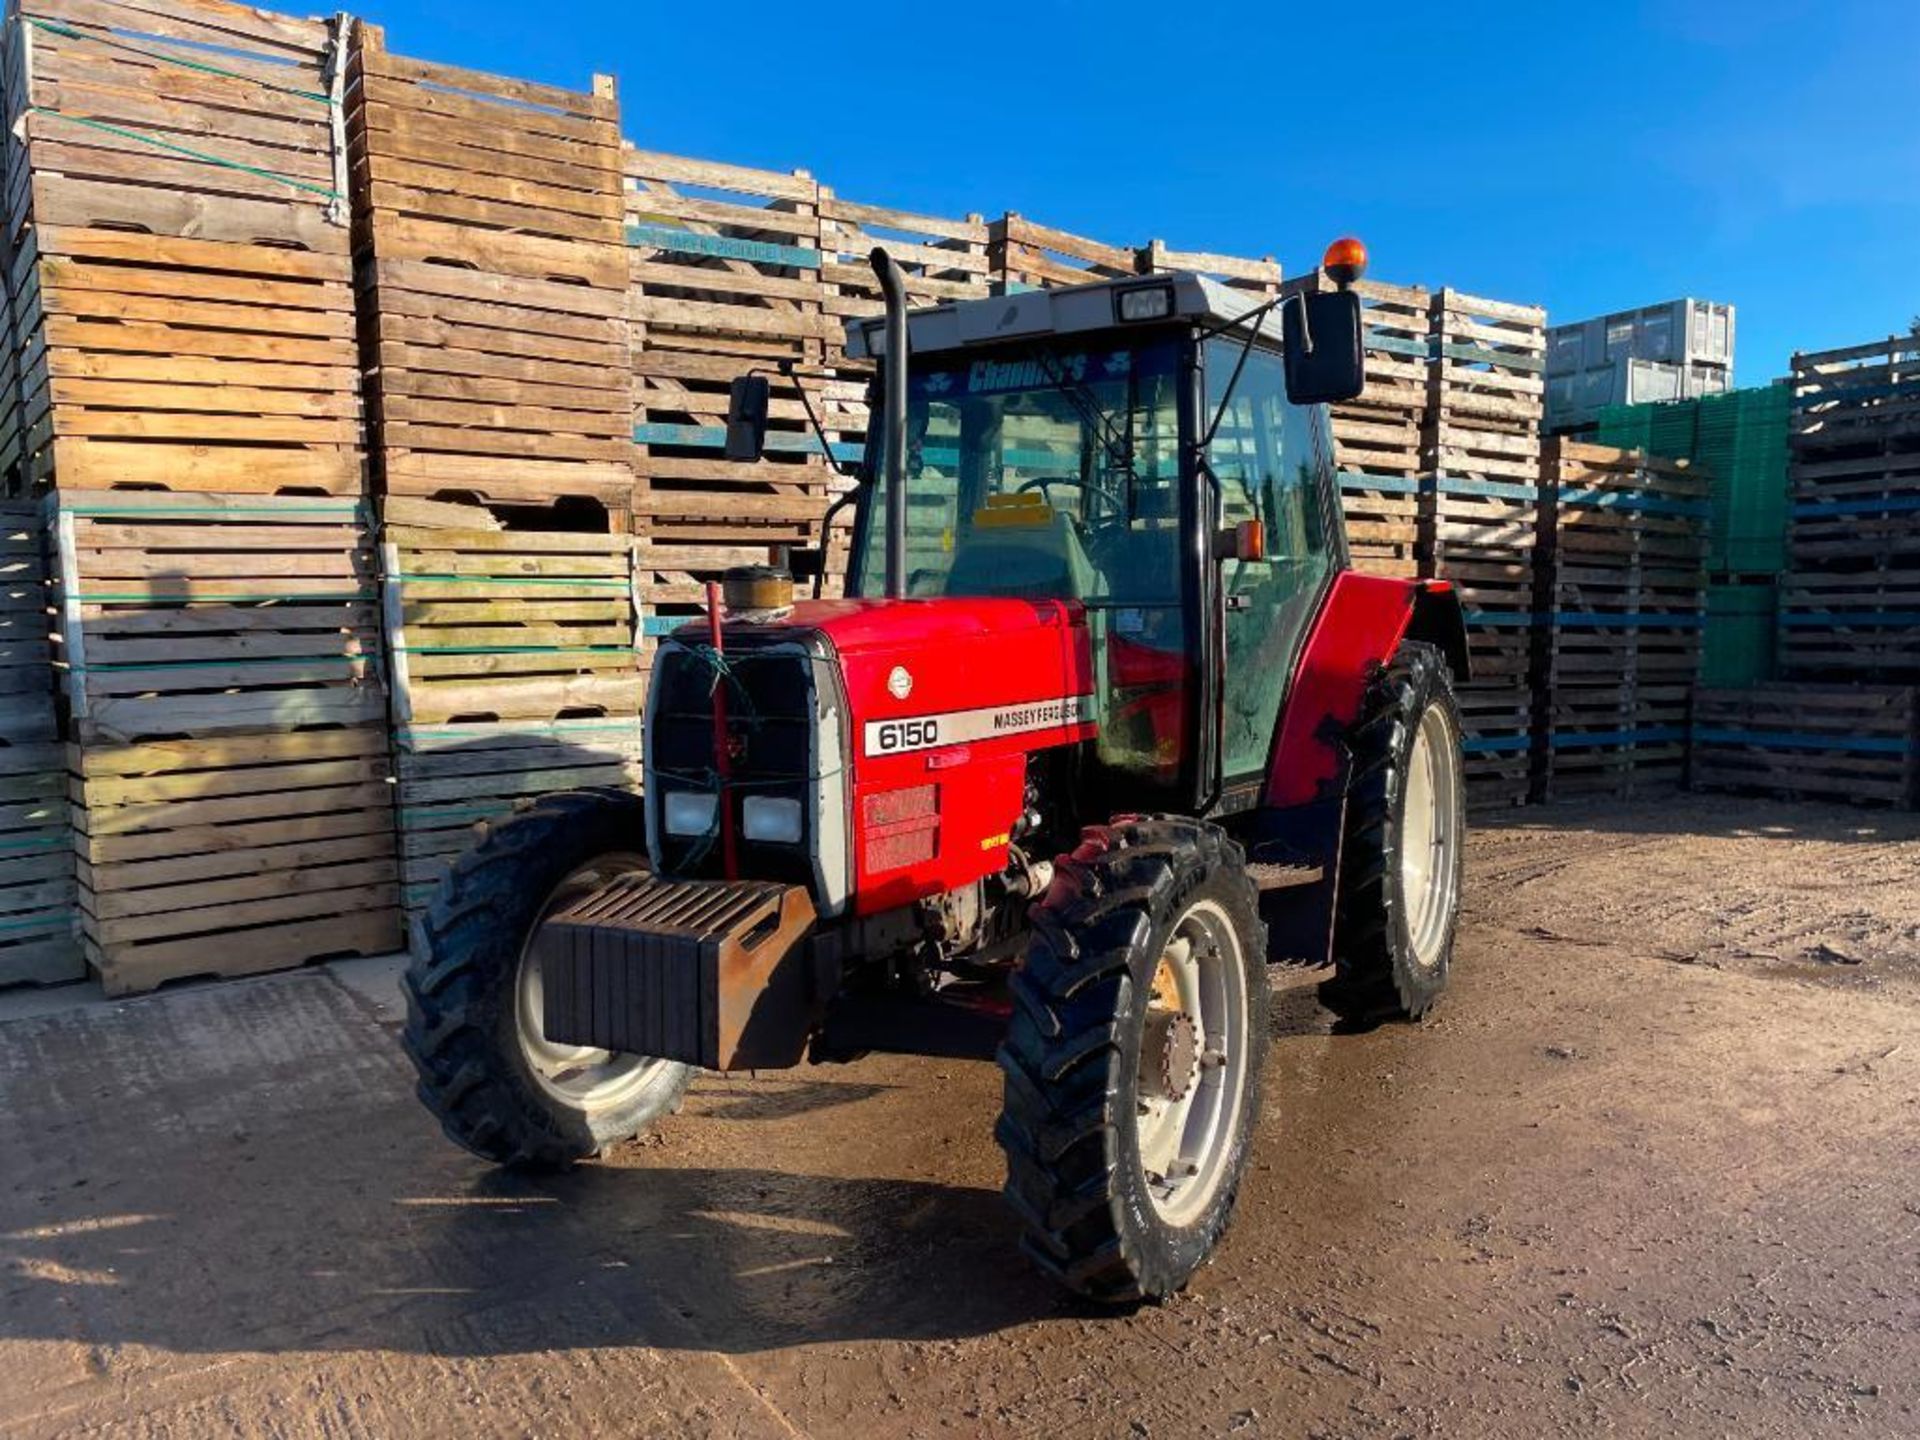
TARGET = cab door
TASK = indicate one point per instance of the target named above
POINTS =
(1271, 461)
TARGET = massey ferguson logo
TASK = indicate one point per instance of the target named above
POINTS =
(929, 732)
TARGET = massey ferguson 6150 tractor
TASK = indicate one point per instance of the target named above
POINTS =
(1104, 727)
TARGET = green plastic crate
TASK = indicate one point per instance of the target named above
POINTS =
(1737, 647)
(1740, 439)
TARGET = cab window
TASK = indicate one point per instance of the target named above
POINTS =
(1271, 461)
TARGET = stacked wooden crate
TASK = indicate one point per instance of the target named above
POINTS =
(1480, 514)
(1260, 277)
(1623, 545)
(727, 278)
(514, 673)
(1026, 256)
(183, 320)
(1810, 741)
(1378, 438)
(38, 942)
(181, 296)
(493, 276)
(1842, 725)
(1851, 602)
(230, 784)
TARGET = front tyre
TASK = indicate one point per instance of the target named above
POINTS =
(1133, 1057)
(487, 1071)
(1400, 870)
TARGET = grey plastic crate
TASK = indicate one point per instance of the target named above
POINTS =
(1675, 332)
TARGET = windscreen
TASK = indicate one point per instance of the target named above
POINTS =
(1040, 472)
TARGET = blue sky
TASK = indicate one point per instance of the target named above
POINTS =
(1588, 157)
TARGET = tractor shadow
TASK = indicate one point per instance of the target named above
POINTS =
(243, 1168)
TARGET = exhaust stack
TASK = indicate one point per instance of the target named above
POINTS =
(893, 287)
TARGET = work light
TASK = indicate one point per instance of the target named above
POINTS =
(690, 812)
(771, 819)
(1143, 302)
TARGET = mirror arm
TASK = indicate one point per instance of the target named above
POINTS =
(840, 503)
(833, 462)
(1233, 382)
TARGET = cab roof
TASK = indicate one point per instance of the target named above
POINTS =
(1068, 310)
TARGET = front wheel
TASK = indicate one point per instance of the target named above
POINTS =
(1400, 869)
(1133, 1057)
(487, 1071)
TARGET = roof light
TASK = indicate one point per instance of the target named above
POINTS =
(1143, 302)
(1345, 261)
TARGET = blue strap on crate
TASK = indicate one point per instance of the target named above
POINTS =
(1791, 740)
(720, 247)
(1597, 499)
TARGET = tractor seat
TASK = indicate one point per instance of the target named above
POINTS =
(1019, 547)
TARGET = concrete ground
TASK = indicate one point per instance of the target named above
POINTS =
(1653, 1169)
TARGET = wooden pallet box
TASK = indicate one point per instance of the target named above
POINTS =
(516, 671)
(728, 275)
(181, 298)
(1858, 744)
(196, 615)
(492, 270)
(233, 854)
(38, 940)
(1026, 256)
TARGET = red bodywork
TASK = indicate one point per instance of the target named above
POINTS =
(960, 656)
(933, 817)
(1360, 626)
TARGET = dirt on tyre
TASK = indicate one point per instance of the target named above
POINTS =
(1132, 1060)
(1401, 864)
(486, 1070)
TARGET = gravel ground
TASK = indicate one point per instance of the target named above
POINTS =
(1652, 1169)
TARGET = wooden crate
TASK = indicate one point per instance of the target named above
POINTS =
(515, 672)
(38, 942)
(1026, 256)
(493, 279)
(1850, 605)
(727, 277)
(1853, 743)
(198, 615)
(1262, 276)
(456, 777)
(485, 623)
(1379, 438)
(233, 854)
(181, 297)
(1623, 546)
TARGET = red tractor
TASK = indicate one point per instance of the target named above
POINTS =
(1104, 727)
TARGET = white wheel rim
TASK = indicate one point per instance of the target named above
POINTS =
(1185, 1143)
(1430, 837)
(578, 1075)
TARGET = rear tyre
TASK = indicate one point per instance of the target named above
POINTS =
(487, 1072)
(1400, 870)
(1133, 1057)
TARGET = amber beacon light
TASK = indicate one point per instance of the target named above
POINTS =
(1345, 261)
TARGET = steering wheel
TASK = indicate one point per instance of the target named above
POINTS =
(1100, 492)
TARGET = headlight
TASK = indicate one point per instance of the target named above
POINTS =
(689, 812)
(770, 819)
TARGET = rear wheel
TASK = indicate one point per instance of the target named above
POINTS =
(1400, 871)
(487, 1071)
(1133, 1057)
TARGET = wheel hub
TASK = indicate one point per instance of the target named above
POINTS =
(1169, 1054)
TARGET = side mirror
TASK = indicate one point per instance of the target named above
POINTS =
(1324, 357)
(747, 417)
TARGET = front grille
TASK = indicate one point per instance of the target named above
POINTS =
(771, 700)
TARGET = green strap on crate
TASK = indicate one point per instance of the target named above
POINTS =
(201, 156)
(67, 32)
(512, 649)
(590, 582)
(89, 598)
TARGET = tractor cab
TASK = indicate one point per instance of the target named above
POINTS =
(1133, 449)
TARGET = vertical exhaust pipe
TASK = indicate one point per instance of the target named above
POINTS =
(893, 286)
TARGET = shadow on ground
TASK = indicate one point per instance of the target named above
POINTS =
(244, 1168)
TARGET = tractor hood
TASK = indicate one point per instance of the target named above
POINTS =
(974, 668)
